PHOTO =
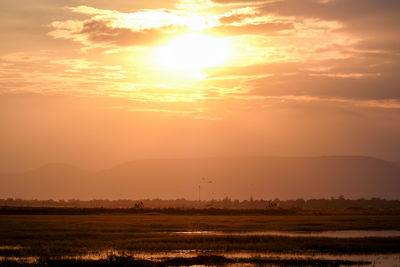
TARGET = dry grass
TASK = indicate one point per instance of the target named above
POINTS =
(57, 235)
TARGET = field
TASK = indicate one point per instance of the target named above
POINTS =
(57, 237)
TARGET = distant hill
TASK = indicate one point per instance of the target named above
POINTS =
(238, 178)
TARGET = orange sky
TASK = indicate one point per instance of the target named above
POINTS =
(96, 83)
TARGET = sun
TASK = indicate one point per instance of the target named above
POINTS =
(192, 53)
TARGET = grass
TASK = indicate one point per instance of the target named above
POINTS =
(205, 260)
(69, 235)
(278, 211)
(169, 223)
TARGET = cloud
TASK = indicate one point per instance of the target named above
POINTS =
(107, 28)
(371, 86)
(248, 2)
(251, 29)
(280, 48)
(365, 18)
(334, 10)
(385, 104)
(371, 20)
(359, 76)
(46, 72)
(99, 32)
(232, 18)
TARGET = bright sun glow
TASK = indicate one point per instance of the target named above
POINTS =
(192, 53)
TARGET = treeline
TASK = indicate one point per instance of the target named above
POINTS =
(227, 203)
(169, 211)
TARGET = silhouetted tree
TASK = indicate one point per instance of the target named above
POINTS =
(139, 205)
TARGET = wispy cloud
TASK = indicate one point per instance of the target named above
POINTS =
(316, 49)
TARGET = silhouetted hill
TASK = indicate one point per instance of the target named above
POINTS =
(53, 180)
(260, 177)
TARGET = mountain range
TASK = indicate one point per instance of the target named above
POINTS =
(207, 178)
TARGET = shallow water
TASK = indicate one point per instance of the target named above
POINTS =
(378, 260)
(10, 247)
(331, 234)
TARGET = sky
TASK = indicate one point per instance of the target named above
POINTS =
(94, 83)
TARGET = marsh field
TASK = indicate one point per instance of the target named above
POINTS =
(159, 239)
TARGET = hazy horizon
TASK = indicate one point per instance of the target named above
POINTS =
(112, 165)
(216, 178)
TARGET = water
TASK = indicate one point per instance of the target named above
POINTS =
(10, 247)
(330, 234)
(379, 260)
